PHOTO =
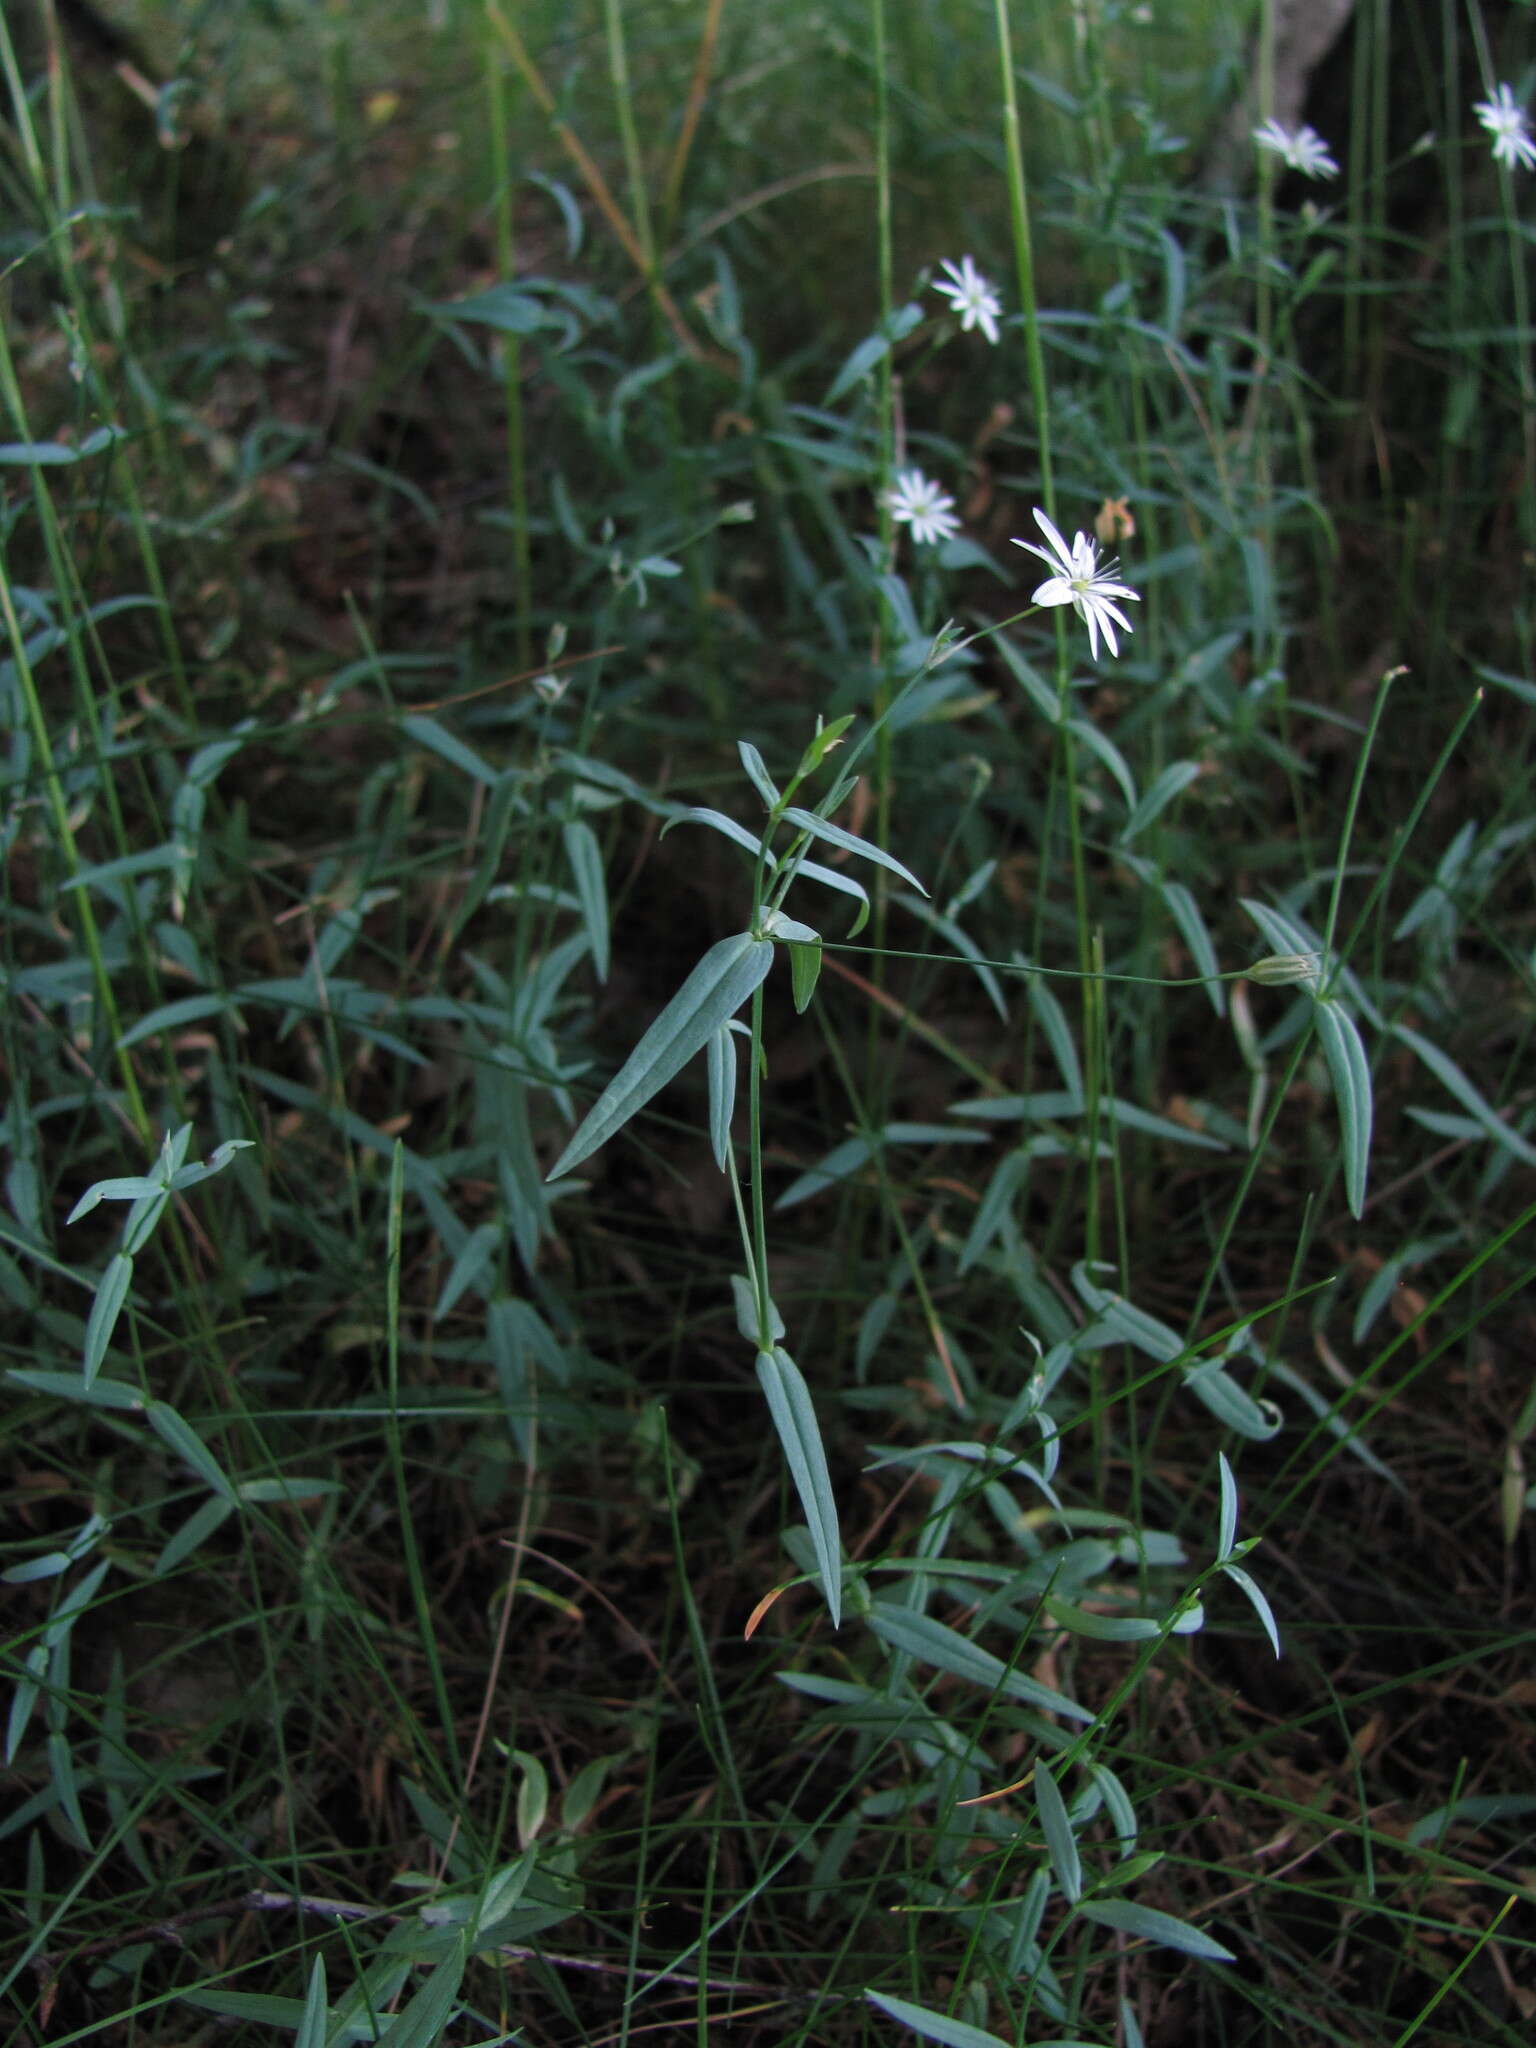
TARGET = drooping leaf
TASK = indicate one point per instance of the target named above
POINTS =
(722, 1092)
(1350, 1072)
(805, 972)
(700, 814)
(834, 835)
(794, 1417)
(1257, 1601)
(1060, 1842)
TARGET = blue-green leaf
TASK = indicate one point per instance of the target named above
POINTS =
(702, 815)
(180, 1437)
(503, 307)
(710, 997)
(870, 350)
(1232, 1404)
(823, 828)
(169, 1016)
(722, 1092)
(1152, 1925)
(1450, 1075)
(813, 871)
(111, 1293)
(1226, 1534)
(193, 1533)
(448, 747)
(69, 1386)
(1117, 1628)
(586, 864)
(932, 1642)
(1173, 781)
(934, 2026)
(805, 972)
(757, 773)
(1350, 1073)
(1257, 1601)
(789, 1403)
(1060, 1842)
(1471, 1812)
(316, 2013)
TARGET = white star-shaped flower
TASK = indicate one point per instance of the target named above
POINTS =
(971, 296)
(1506, 122)
(1080, 581)
(915, 500)
(1303, 149)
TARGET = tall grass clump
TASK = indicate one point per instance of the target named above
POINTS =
(767, 1154)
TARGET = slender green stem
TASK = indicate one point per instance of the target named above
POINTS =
(886, 427)
(764, 1299)
(420, 1598)
(1351, 812)
(511, 355)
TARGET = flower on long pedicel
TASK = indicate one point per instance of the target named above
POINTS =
(1080, 580)
(971, 296)
(1303, 149)
(1508, 124)
(915, 500)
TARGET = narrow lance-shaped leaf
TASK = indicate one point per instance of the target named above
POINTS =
(1163, 1928)
(699, 814)
(1477, 1106)
(180, 1437)
(585, 858)
(111, 1293)
(1350, 1073)
(834, 835)
(1227, 1533)
(312, 2026)
(1257, 1601)
(935, 1642)
(722, 1092)
(711, 995)
(934, 2026)
(757, 773)
(805, 971)
(789, 1403)
(1060, 1843)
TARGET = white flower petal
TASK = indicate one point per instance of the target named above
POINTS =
(1080, 581)
(915, 500)
(1302, 149)
(1507, 122)
(971, 296)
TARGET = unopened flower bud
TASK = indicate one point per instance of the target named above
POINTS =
(1276, 970)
